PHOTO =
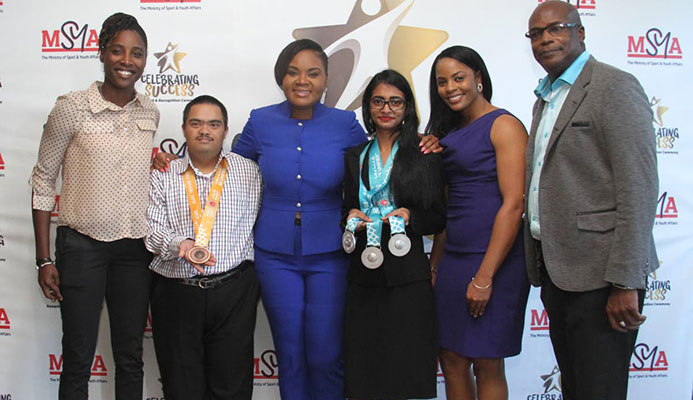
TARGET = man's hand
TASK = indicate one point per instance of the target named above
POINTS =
(49, 280)
(622, 310)
(188, 244)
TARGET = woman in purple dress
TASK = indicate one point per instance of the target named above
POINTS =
(480, 279)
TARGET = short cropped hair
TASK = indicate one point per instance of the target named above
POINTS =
(206, 99)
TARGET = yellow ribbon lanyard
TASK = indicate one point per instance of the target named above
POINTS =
(203, 221)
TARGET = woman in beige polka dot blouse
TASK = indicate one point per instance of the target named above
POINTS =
(101, 139)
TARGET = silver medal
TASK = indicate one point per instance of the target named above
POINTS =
(349, 241)
(372, 257)
(399, 245)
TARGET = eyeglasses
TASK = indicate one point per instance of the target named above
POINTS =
(395, 103)
(553, 30)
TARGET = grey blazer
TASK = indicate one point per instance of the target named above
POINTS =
(598, 187)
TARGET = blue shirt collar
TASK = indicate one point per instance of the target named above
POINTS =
(568, 76)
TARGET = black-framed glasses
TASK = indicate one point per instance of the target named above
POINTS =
(553, 30)
(395, 103)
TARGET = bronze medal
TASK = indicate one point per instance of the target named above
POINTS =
(199, 255)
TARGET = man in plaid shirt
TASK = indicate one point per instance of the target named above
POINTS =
(203, 312)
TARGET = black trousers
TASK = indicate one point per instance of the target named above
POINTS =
(593, 358)
(89, 271)
(204, 337)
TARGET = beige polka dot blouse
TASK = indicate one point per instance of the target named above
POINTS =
(104, 152)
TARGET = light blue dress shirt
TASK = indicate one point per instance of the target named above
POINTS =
(554, 95)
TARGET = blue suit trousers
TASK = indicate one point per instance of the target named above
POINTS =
(304, 299)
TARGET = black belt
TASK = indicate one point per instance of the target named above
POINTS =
(212, 281)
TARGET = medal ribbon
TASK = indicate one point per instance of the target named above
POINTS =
(203, 221)
(352, 223)
(378, 200)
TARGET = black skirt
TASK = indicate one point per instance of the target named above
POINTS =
(390, 342)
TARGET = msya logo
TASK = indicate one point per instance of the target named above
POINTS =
(648, 362)
(551, 386)
(655, 44)
(72, 38)
(539, 323)
(666, 136)
(170, 84)
(56, 210)
(657, 290)
(4, 323)
(2, 166)
(667, 212)
(148, 331)
(98, 368)
(588, 4)
(266, 367)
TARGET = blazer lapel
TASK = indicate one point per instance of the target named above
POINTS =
(572, 102)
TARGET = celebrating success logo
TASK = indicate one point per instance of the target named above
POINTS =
(170, 84)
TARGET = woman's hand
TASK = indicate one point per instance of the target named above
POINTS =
(429, 144)
(356, 213)
(478, 293)
(162, 159)
(400, 212)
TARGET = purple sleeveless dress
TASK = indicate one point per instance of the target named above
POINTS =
(474, 199)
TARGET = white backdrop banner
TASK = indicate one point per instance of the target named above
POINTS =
(228, 49)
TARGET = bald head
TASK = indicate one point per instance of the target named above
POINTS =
(556, 49)
(569, 12)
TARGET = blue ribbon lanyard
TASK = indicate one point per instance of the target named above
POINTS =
(378, 200)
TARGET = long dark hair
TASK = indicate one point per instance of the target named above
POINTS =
(416, 179)
(443, 119)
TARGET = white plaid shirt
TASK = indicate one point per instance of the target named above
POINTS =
(169, 221)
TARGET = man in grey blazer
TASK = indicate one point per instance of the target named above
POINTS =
(591, 192)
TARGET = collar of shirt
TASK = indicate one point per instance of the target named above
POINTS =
(97, 103)
(568, 76)
(180, 168)
(319, 109)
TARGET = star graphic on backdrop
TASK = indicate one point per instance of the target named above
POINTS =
(375, 36)
(659, 110)
(552, 380)
(169, 58)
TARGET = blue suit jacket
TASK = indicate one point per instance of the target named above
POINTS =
(302, 166)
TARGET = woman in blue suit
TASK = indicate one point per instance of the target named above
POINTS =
(299, 145)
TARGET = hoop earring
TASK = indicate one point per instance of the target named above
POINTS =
(479, 87)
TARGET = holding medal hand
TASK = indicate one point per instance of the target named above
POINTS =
(401, 212)
(183, 250)
(356, 213)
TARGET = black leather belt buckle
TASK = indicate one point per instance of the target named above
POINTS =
(210, 282)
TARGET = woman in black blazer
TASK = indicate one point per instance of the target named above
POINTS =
(390, 336)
